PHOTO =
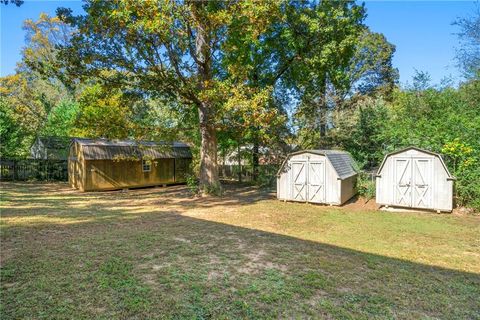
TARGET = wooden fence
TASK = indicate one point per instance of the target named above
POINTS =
(33, 169)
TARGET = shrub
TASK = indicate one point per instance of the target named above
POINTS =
(365, 186)
(468, 187)
(192, 183)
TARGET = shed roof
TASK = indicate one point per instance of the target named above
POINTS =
(418, 149)
(103, 149)
(342, 161)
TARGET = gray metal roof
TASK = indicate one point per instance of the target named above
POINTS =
(103, 149)
(341, 161)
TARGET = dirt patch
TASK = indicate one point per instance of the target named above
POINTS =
(360, 204)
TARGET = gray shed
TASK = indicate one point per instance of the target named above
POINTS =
(414, 178)
(318, 176)
(53, 148)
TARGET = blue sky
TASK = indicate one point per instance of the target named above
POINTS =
(421, 31)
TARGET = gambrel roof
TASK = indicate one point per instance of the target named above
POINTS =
(342, 162)
(103, 149)
(419, 150)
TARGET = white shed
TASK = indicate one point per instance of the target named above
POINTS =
(414, 178)
(318, 176)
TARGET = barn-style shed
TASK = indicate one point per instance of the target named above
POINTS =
(108, 165)
(414, 178)
(318, 176)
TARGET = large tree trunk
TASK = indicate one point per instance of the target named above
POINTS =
(209, 180)
(208, 152)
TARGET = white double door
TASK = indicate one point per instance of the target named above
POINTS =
(308, 181)
(413, 182)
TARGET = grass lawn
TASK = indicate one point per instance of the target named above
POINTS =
(159, 253)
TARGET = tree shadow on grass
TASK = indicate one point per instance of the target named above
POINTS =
(60, 200)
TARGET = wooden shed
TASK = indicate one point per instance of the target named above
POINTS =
(318, 176)
(108, 165)
(414, 178)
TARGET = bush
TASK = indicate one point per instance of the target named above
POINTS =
(468, 188)
(192, 183)
(366, 186)
(267, 176)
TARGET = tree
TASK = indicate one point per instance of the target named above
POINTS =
(468, 54)
(40, 54)
(99, 106)
(14, 139)
(61, 120)
(30, 97)
(364, 70)
(18, 3)
(192, 51)
(371, 71)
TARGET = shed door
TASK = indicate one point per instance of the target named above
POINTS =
(403, 182)
(422, 183)
(316, 182)
(299, 181)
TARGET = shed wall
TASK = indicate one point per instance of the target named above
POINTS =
(348, 187)
(443, 187)
(384, 184)
(109, 174)
(333, 186)
(76, 167)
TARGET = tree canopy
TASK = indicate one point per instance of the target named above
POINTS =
(221, 58)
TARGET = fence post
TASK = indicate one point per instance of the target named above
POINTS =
(14, 170)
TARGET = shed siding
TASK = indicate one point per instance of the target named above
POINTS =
(336, 190)
(107, 174)
(385, 184)
(332, 185)
(348, 188)
(442, 185)
(283, 181)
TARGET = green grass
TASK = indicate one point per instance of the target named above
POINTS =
(160, 254)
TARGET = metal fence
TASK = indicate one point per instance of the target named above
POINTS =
(33, 169)
(266, 174)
